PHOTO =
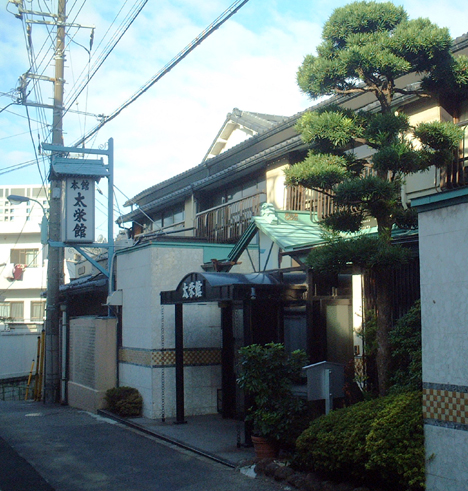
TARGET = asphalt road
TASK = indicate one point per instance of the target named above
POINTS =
(47, 448)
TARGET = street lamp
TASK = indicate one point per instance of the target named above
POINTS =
(16, 199)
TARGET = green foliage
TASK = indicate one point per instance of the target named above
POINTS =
(406, 219)
(382, 129)
(439, 142)
(375, 43)
(335, 444)
(317, 171)
(267, 374)
(364, 251)
(124, 401)
(333, 128)
(366, 47)
(405, 339)
(361, 17)
(395, 444)
(378, 441)
(450, 79)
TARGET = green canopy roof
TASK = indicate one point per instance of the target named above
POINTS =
(290, 230)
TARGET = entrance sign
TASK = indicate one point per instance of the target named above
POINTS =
(193, 289)
(79, 209)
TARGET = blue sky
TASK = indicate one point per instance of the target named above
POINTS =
(249, 63)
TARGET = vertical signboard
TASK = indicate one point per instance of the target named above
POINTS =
(79, 209)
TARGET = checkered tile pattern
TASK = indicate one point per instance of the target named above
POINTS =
(159, 358)
(136, 357)
(445, 405)
(202, 357)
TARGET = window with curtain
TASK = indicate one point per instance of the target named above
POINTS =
(4, 310)
(24, 256)
(37, 311)
(17, 311)
(12, 310)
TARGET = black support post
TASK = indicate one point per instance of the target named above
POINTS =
(179, 355)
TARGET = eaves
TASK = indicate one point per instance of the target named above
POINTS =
(236, 169)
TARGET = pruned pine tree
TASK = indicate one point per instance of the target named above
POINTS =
(366, 48)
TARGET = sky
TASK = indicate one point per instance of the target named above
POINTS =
(249, 63)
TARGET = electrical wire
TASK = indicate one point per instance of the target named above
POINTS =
(35, 151)
(227, 14)
(15, 167)
(111, 45)
(75, 86)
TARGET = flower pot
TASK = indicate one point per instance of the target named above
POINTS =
(264, 447)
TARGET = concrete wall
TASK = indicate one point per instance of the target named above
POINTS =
(92, 361)
(18, 349)
(443, 236)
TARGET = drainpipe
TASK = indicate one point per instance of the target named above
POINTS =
(63, 392)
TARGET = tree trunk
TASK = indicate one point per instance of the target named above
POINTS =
(384, 303)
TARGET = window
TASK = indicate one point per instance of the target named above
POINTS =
(4, 310)
(12, 310)
(169, 217)
(37, 311)
(24, 256)
(17, 311)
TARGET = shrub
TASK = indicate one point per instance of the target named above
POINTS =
(373, 442)
(335, 444)
(405, 339)
(267, 373)
(396, 442)
(124, 401)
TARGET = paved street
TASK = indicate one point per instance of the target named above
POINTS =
(46, 448)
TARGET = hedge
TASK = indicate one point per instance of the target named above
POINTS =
(377, 442)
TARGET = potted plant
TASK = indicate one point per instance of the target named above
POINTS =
(267, 374)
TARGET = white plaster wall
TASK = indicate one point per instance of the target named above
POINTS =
(446, 459)
(17, 351)
(202, 326)
(275, 183)
(140, 378)
(142, 274)
(443, 237)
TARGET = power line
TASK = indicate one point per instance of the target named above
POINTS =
(167, 68)
(100, 62)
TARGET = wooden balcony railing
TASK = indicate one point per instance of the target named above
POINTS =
(299, 198)
(226, 223)
(455, 175)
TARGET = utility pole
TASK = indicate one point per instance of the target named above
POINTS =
(55, 262)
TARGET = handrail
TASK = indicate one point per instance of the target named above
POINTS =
(226, 223)
(229, 203)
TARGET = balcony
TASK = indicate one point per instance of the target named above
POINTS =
(226, 223)
(455, 175)
(299, 198)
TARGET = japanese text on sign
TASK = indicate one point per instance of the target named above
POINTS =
(80, 209)
(194, 289)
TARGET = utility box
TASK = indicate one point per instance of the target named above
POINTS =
(325, 380)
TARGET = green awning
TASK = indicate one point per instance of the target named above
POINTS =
(290, 230)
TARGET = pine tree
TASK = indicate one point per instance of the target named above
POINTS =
(366, 48)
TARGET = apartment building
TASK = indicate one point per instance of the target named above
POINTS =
(23, 259)
(23, 277)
